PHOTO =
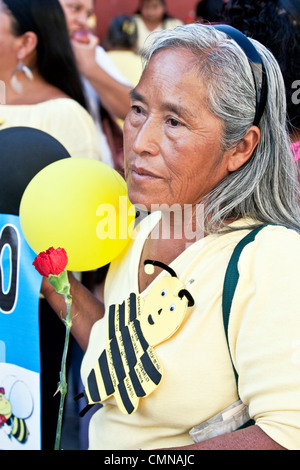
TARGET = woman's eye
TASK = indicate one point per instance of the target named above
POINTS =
(137, 109)
(173, 122)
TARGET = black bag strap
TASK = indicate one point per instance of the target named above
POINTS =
(231, 280)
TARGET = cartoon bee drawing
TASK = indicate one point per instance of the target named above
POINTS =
(12, 419)
(129, 368)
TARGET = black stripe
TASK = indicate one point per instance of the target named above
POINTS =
(142, 340)
(117, 360)
(121, 316)
(129, 351)
(132, 315)
(111, 321)
(16, 424)
(136, 384)
(92, 387)
(125, 398)
(23, 434)
(151, 370)
(109, 388)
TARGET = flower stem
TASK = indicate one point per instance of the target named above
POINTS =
(62, 385)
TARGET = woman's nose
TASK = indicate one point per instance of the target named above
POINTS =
(148, 138)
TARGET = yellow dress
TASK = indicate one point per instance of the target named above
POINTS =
(62, 118)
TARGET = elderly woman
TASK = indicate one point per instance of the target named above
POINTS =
(206, 130)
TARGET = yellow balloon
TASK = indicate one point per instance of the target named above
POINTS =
(80, 205)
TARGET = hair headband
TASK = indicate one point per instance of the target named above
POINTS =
(256, 64)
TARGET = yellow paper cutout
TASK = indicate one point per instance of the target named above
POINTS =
(129, 368)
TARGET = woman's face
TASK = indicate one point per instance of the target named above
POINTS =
(152, 10)
(172, 143)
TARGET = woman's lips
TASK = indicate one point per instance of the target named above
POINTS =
(140, 174)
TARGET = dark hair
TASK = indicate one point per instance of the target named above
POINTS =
(122, 32)
(210, 10)
(55, 58)
(271, 23)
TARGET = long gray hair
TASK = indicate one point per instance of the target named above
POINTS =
(265, 188)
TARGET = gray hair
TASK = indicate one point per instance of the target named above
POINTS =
(266, 188)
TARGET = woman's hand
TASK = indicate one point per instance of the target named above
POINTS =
(86, 308)
(84, 45)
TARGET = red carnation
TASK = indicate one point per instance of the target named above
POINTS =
(51, 262)
(3, 420)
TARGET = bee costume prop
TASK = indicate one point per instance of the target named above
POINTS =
(17, 426)
(129, 367)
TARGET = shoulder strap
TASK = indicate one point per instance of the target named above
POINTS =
(231, 279)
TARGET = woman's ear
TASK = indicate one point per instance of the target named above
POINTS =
(241, 154)
(28, 44)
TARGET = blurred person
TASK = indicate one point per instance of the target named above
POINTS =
(276, 24)
(152, 16)
(42, 85)
(121, 45)
(106, 89)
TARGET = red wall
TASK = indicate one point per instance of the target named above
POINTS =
(107, 9)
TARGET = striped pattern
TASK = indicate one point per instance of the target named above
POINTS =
(19, 429)
(129, 367)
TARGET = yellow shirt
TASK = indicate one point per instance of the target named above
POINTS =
(62, 118)
(144, 34)
(198, 380)
(129, 63)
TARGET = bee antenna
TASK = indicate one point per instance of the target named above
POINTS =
(188, 295)
(161, 265)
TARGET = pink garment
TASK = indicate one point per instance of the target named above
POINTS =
(296, 150)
